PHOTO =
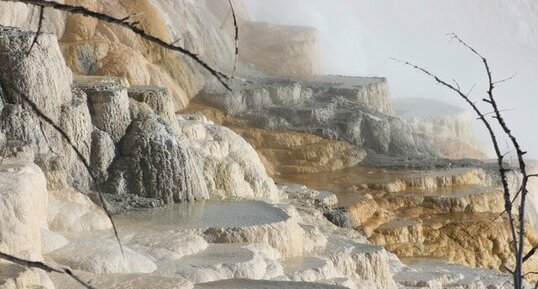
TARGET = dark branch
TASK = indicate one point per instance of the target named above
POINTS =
(530, 253)
(517, 239)
(45, 267)
(520, 153)
(131, 26)
(39, 27)
(33, 106)
(482, 118)
(236, 57)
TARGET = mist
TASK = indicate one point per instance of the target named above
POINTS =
(359, 37)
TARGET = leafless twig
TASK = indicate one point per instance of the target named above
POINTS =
(133, 26)
(42, 115)
(236, 26)
(482, 118)
(226, 18)
(39, 27)
(45, 267)
(519, 226)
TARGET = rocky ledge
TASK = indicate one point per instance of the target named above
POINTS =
(226, 224)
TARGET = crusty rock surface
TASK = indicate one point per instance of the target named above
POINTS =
(287, 152)
(109, 107)
(19, 277)
(145, 155)
(426, 213)
(101, 254)
(157, 98)
(130, 138)
(153, 162)
(230, 166)
(71, 211)
(43, 73)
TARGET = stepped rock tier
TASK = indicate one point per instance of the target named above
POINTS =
(353, 109)
(368, 194)
(448, 128)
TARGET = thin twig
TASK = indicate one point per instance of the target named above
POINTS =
(45, 267)
(225, 18)
(33, 106)
(131, 26)
(506, 79)
(471, 90)
(236, 57)
(488, 126)
(520, 153)
(530, 253)
(39, 27)
(517, 238)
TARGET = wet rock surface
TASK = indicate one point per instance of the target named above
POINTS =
(425, 213)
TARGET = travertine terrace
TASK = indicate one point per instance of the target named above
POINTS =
(289, 180)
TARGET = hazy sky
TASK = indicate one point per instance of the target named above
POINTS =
(360, 36)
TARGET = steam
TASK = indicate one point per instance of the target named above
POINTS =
(358, 37)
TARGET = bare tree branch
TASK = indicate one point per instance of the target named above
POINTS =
(517, 238)
(236, 57)
(33, 106)
(506, 79)
(45, 267)
(530, 253)
(124, 22)
(39, 27)
(470, 90)
(481, 117)
(226, 18)
(520, 153)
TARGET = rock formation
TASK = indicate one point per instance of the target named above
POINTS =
(92, 47)
(226, 224)
(288, 152)
(449, 214)
(449, 128)
(332, 107)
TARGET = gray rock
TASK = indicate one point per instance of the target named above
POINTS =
(76, 122)
(22, 125)
(118, 204)
(139, 110)
(339, 217)
(42, 76)
(354, 109)
(154, 163)
(103, 152)
(54, 170)
(157, 98)
(109, 106)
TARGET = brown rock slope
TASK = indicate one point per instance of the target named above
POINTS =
(451, 214)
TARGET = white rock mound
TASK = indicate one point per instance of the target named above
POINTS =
(231, 167)
(23, 210)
